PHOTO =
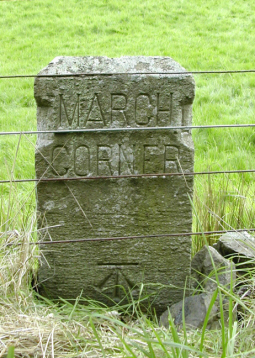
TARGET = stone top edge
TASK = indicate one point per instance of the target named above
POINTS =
(101, 64)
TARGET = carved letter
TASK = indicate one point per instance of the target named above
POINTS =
(118, 105)
(63, 114)
(81, 161)
(126, 160)
(171, 159)
(143, 109)
(152, 159)
(104, 156)
(164, 115)
(95, 111)
(60, 160)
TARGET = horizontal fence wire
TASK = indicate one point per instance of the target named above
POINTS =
(129, 73)
(129, 237)
(38, 180)
(127, 129)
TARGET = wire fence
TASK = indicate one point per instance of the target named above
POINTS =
(42, 179)
(137, 237)
(128, 129)
(130, 73)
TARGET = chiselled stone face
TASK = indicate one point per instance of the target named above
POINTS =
(122, 95)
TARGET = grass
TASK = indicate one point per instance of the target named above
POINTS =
(199, 35)
(36, 327)
(222, 203)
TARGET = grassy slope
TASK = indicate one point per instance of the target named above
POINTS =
(199, 35)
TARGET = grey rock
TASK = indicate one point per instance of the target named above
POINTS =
(195, 310)
(203, 267)
(108, 271)
(239, 246)
(203, 271)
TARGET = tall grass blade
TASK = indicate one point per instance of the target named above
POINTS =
(232, 341)
(183, 318)
(223, 333)
(230, 306)
(213, 299)
(126, 345)
(161, 343)
(176, 351)
(151, 354)
(10, 353)
(141, 349)
(97, 337)
(74, 306)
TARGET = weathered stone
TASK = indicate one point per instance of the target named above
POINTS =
(239, 246)
(203, 270)
(195, 310)
(203, 266)
(114, 95)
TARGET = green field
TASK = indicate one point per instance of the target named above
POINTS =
(200, 35)
(211, 36)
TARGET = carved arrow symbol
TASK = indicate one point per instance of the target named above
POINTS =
(116, 274)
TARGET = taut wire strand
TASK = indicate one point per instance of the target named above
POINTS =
(131, 237)
(129, 73)
(127, 129)
(127, 176)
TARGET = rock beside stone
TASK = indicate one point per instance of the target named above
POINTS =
(239, 246)
(203, 270)
(203, 267)
(195, 310)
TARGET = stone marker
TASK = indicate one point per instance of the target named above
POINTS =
(122, 95)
